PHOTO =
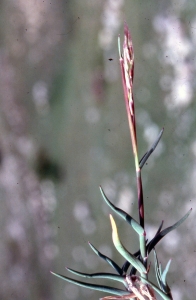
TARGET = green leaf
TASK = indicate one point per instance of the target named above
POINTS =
(122, 250)
(149, 152)
(160, 227)
(157, 270)
(107, 259)
(163, 278)
(161, 234)
(135, 225)
(100, 275)
(102, 288)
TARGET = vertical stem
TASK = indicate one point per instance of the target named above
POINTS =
(127, 71)
(132, 127)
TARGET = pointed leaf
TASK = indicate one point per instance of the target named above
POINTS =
(122, 250)
(100, 275)
(157, 270)
(102, 288)
(135, 225)
(161, 234)
(163, 278)
(160, 227)
(109, 260)
(153, 147)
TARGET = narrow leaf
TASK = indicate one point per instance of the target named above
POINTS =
(122, 250)
(107, 259)
(102, 288)
(135, 225)
(157, 270)
(100, 275)
(160, 227)
(163, 278)
(147, 154)
(164, 274)
(161, 234)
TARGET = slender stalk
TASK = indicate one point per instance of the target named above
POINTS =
(127, 71)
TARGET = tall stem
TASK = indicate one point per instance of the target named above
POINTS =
(127, 71)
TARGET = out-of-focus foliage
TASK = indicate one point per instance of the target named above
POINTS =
(31, 46)
(62, 106)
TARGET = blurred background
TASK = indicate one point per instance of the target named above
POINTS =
(64, 132)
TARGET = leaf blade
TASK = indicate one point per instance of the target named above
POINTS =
(100, 275)
(145, 157)
(122, 250)
(165, 231)
(107, 259)
(134, 224)
(102, 288)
